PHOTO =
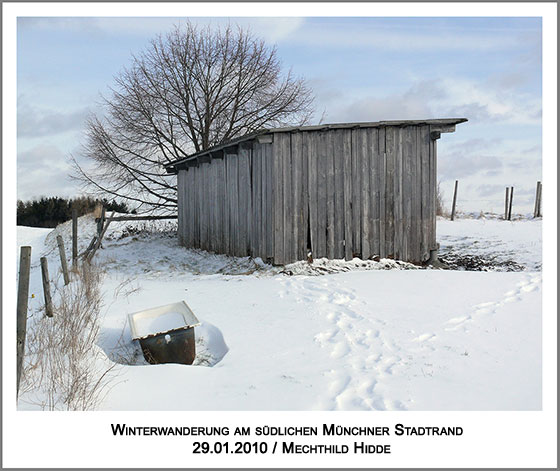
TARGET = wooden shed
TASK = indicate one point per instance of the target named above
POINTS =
(338, 191)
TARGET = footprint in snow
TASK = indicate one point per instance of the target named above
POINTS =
(424, 338)
(340, 350)
(338, 382)
(326, 336)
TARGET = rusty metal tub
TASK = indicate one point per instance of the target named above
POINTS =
(165, 333)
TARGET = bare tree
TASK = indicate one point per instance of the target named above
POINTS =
(189, 90)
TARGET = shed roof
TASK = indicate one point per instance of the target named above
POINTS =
(171, 167)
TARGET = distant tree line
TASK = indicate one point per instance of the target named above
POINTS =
(49, 212)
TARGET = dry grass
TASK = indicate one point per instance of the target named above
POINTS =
(127, 352)
(440, 209)
(64, 368)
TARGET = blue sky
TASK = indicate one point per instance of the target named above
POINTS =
(488, 70)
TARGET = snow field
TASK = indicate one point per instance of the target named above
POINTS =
(366, 339)
(519, 241)
(349, 342)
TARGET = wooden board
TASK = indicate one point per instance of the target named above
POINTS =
(312, 193)
(249, 199)
(382, 183)
(424, 136)
(339, 236)
(188, 212)
(330, 193)
(213, 207)
(256, 162)
(347, 192)
(390, 154)
(270, 210)
(233, 184)
(305, 239)
(204, 207)
(278, 199)
(200, 206)
(297, 249)
(357, 160)
(196, 198)
(416, 207)
(243, 204)
(365, 163)
(409, 151)
(433, 190)
(219, 163)
(288, 196)
(226, 207)
(245, 209)
(322, 142)
(374, 159)
(181, 175)
(398, 196)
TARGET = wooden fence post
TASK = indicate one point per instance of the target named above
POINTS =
(22, 299)
(510, 203)
(101, 221)
(46, 287)
(537, 212)
(96, 243)
(454, 200)
(74, 238)
(63, 263)
(507, 204)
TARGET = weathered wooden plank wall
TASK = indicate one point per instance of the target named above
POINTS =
(341, 193)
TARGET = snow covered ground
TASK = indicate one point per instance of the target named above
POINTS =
(365, 336)
(496, 241)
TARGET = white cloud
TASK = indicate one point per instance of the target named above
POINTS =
(487, 103)
(135, 26)
(43, 171)
(276, 29)
(457, 166)
(35, 122)
(450, 97)
(272, 29)
(402, 38)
